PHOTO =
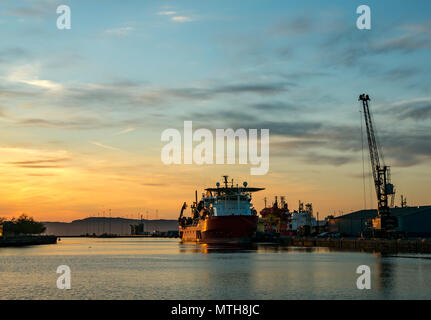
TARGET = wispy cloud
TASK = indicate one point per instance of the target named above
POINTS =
(166, 13)
(78, 123)
(258, 88)
(27, 156)
(16, 53)
(33, 9)
(424, 27)
(28, 74)
(125, 131)
(418, 109)
(38, 162)
(121, 32)
(174, 16)
(349, 48)
(181, 19)
(297, 26)
(104, 146)
(405, 43)
(25, 12)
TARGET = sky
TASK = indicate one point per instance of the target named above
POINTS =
(82, 110)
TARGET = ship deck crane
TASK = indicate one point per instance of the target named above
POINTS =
(384, 224)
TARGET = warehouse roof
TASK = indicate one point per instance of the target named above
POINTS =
(398, 212)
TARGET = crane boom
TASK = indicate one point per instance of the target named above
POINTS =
(372, 144)
(381, 174)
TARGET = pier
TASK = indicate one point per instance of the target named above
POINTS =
(27, 241)
(377, 245)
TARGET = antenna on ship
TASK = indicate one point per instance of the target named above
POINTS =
(225, 181)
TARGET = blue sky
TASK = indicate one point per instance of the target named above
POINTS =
(96, 98)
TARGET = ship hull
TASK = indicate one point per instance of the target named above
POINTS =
(223, 229)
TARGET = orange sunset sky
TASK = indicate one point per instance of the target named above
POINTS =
(82, 110)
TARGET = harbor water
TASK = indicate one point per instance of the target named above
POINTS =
(150, 268)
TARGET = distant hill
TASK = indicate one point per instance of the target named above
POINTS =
(99, 226)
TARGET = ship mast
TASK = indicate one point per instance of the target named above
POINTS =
(225, 181)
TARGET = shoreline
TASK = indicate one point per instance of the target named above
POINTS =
(368, 245)
(21, 241)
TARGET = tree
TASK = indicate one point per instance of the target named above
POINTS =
(23, 225)
(2, 220)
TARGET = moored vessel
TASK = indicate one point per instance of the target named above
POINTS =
(278, 220)
(224, 214)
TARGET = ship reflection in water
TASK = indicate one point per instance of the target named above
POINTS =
(217, 248)
(151, 268)
(208, 248)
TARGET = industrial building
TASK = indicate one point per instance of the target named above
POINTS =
(415, 221)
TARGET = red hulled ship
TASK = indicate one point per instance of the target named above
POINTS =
(223, 215)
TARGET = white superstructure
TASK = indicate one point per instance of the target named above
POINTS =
(230, 200)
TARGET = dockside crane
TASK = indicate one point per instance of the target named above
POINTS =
(384, 224)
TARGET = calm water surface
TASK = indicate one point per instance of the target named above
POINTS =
(167, 269)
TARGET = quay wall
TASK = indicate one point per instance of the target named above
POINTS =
(27, 241)
(379, 245)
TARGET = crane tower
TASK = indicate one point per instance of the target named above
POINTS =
(384, 223)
